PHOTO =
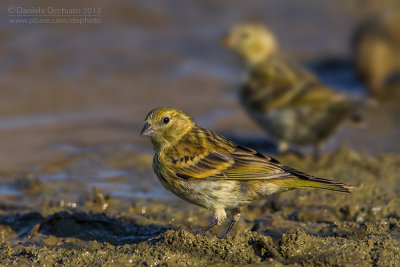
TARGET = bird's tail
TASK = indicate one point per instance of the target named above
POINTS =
(303, 180)
(317, 183)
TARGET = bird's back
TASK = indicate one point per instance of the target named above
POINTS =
(291, 103)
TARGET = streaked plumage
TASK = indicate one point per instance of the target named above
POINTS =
(376, 53)
(208, 170)
(289, 102)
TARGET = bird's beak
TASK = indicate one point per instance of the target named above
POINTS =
(225, 41)
(147, 130)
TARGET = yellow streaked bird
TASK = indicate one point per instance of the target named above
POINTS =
(208, 170)
(287, 101)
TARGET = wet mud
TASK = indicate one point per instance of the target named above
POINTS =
(306, 227)
(76, 183)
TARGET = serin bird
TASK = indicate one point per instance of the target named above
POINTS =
(287, 101)
(208, 170)
(376, 53)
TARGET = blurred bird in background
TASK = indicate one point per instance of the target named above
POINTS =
(286, 100)
(376, 53)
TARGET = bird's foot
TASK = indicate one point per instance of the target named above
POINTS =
(228, 230)
(205, 229)
(235, 218)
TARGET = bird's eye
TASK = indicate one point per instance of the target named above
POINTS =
(165, 120)
(244, 35)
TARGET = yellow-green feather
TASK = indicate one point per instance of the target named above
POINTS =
(187, 151)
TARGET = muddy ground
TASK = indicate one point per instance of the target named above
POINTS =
(64, 226)
(76, 184)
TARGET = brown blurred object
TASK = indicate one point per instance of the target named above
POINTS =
(376, 52)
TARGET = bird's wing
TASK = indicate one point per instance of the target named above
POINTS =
(275, 83)
(318, 96)
(203, 165)
(240, 164)
(250, 164)
(306, 89)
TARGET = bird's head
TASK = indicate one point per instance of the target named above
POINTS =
(165, 126)
(252, 42)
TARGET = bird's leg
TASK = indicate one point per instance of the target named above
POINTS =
(283, 147)
(208, 227)
(317, 150)
(235, 218)
(218, 218)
